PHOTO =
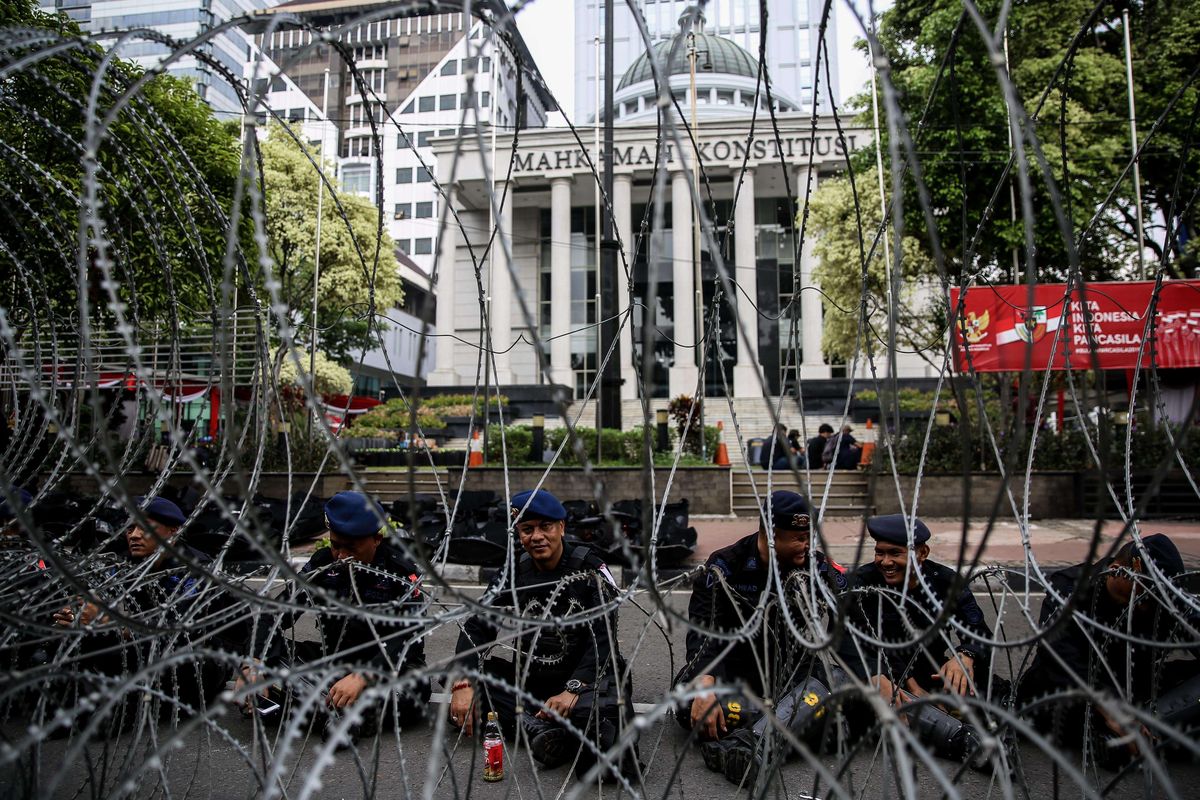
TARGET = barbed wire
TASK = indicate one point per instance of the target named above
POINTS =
(129, 676)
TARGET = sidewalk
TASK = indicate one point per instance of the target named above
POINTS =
(1053, 541)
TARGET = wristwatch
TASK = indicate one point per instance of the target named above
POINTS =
(575, 686)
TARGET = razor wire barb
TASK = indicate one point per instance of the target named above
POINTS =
(127, 252)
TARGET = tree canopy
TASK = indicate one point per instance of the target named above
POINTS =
(1067, 65)
(358, 270)
(165, 175)
(845, 242)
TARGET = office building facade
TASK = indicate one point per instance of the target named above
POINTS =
(182, 20)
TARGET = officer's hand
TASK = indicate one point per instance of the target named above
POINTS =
(248, 676)
(957, 674)
(462, 708)
(1119, 731)
(67, 616)
(561, 703)
(708, 717)
(347, 690)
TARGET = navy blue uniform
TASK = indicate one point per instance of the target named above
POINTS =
(548, 655)
(389, 585)
(1137, 671)
(724, 597)
(889, 615)
(185, 611)
(390, 582)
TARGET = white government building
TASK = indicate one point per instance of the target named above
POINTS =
(547, 217)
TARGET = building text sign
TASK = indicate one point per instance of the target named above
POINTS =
(997, 325)
(727, 150)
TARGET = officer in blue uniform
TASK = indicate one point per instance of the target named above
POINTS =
(767, 660)
(1116, 640)
(564, 655)
(896, 598)
(365, 571)
(170, 607)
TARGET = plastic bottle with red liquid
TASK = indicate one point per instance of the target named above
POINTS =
(493, 749)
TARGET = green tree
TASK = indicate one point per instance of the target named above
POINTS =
(359, 275)
(845, 240)
(951, 99)
(165, 175)
(1166, 39)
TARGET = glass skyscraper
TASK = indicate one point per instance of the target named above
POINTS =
(182, 20)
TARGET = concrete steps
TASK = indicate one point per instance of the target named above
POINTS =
(848, 494)
(390, 486)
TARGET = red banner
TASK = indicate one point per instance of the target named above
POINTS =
(997, 325)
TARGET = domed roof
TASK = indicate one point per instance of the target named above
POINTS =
(724, 56)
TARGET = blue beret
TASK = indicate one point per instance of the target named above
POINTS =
(543, 505)
(892, 528)
(788, 510)
(1162, 551)
(353, 514)
(24, 498)
(163, 511)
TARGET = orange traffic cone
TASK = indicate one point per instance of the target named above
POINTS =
(721, 457)
(475, 457)
(868, 450)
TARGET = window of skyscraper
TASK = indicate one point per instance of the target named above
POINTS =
(422, 247)
(450, 67)
(448, 102)
(427, 103)
(403, 211)
(424, 138)
(408, 108)
(423, 210)
(423, 175)
(356, 181)
(404, 175)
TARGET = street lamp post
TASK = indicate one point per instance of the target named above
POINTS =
(697, 275)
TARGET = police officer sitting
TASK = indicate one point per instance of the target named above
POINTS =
(566, 659)
(173, 596)
(896, 599)
(362, 569)
(1116, 637)
(766, 658)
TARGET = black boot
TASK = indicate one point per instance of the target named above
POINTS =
(550, 743)
(949, 737)
(737, 756)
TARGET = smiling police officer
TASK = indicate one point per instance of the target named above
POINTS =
(896, 599)
(564, 654)
(766, 658)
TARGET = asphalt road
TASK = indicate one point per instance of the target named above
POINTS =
(228, 758)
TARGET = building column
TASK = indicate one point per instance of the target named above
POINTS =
(441, 286)
(745, 273)
(812, 362)
(560, 281)
(500, 287)
(622, 201)
(684, 375)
